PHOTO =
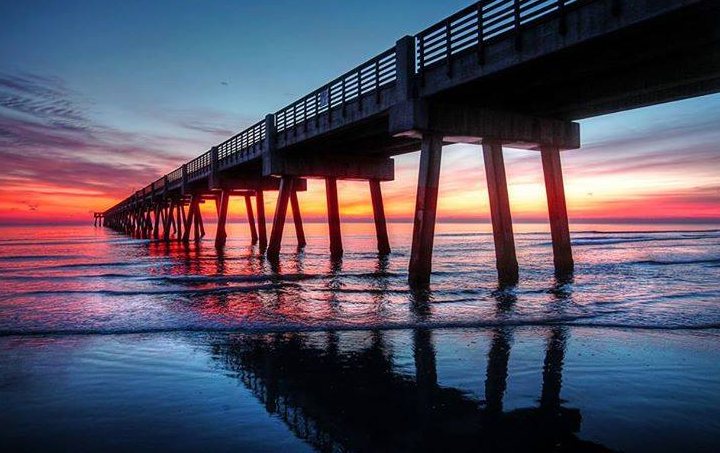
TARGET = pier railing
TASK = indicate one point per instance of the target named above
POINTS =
(242, 146)
(468, 30)
(367, 78)
(471, 28)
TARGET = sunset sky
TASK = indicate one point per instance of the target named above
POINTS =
(100, 98)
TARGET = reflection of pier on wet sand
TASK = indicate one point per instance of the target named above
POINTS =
(357, 400)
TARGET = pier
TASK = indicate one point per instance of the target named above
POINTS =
(499, 73)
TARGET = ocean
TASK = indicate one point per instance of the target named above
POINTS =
(112, 343)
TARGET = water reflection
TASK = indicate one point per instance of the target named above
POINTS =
(359, 399)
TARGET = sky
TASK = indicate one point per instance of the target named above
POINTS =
(100, 98)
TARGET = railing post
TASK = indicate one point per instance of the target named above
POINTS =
(377, 81)
(480, 33)
(359, 89)
(561, 13)
(268, 145)
(184, 179)
(405, 68)
(516, 21)
(214, 180)
(421, 58)
(448, 47)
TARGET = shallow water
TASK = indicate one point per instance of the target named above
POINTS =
(114, 344)
(85, 280)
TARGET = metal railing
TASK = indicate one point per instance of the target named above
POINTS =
(367, 78)
(199, 166)
(175, 175)
(472, 27)
(242, 144)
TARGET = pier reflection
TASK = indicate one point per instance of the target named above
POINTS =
(360, 399)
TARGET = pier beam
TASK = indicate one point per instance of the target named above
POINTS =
(333, 210)
(425, 210)
(251, 220)
(379, 215)
(262, 226)
(297, 219)
(222, 209)
(286, 184)
(506, 260)
(557, 210)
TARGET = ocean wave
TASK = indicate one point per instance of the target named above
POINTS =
(204, 279)
(580, 321)
(679, 262)
(624, 240)
(19, 258)
(24, 242)
(84, 265)
(151, 292)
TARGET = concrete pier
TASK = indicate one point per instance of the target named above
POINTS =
(333, 213)
(188, 220)
(461, 80)
(383, 242)
(297, 219)
(425, 210)
(286, 187)
(251, 220)
(557, 210)
(506, 261)
(262, 226)
(222, 209)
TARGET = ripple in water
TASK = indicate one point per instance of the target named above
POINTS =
(85, 280)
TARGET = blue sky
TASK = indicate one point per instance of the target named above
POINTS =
(99, 97)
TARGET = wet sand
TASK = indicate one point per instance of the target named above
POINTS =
(550, 388)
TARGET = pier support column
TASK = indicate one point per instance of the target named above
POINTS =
(222, 210)
(251, 220)
(333, 210)
(148, 223)
(557, 210)
(156, 229)
(168, 221)
(180, 218)
(297, 218)
(262, 226)
(200, 223)
(286, 184)
(379, 215)
(425, 210)
(506, 260)
(194, 201)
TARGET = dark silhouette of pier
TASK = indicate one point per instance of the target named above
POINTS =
(514, 73)
(359, 400)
